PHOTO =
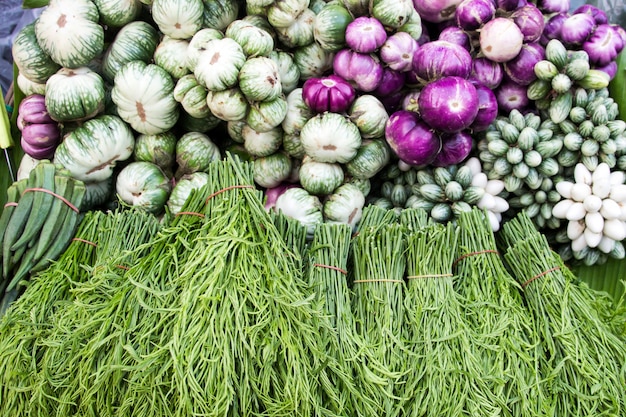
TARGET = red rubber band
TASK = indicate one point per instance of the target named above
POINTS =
(232, 187)
(10, 204)
(192, 213)
(524, 285)
(60, 197)
(335, 268)
(77, 239)
(467, 255)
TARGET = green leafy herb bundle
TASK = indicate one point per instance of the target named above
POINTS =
(583, 364)
(25, 323)
(378, 268)
(439, 359)
(501, 329)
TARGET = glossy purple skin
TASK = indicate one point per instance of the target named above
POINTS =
(365, 34)
(455, 34)
(509, 5)
(32, 109)
(392, 82)
(604, 45)
(511, 95)
(449, 104)
(436, 11)
(577, 28)
(530, 20)
(411, 139)
(487, 108)
(553, 6)
(364, 71)
(521, 69)
(393, 101)
(487, 72)
(598, 15)
(40, 140)
(437, 59)
(398, 50)
(472, 14)
(455, 148)
(552, 27)
(331, 93)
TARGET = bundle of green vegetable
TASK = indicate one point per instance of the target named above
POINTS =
(377, 305)
(37, 223)
(26, 323)
(582, 364)
(501, 332)
(81, 333)
(440, 360)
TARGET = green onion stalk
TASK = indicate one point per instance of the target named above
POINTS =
(584, 364)
(378, 265)
(501, 329)
(244, 336)
(442, 367)
(328, 279)
(25, 323)
(79, 347)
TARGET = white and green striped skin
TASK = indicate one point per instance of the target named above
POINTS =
(298, 204)
(259, 79)
(192, 96)
(300, 33)
(298, 113)
(69, 31)
(97, 193)
(29, 87)
(283, 13)
(370, 116)
(253, 40)
(197, 44)
(313, 60)
(372, 156)
(261, 143)
(117, 13)
(32, 61)
(171, 55)
(320, 178)
(392, 13)
(183, 188)
(178, 19)
(135, 41)
(266, 115)
(288, 71)
(258, 3)
(344, 205)
(144, 96)
(218, 14)
(189, 123)
(144, 185)
(330, 137)
(91, 151)
(74, 94)
(194, 152)
(229, 105)
(219, 64)
(329, 28)
(271, 170)
(159, 149)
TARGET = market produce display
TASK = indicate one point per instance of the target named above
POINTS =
(329, 208)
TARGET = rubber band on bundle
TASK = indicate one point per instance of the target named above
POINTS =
(52, 193)
(78, 239)
(191, 213)
(232, 187)
(467, 255)
(430, 276)
(10, 204)
(525, 284)
(335, 268)
(360, 281)
(125, 268)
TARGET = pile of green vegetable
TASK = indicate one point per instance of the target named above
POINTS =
(218, 310)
